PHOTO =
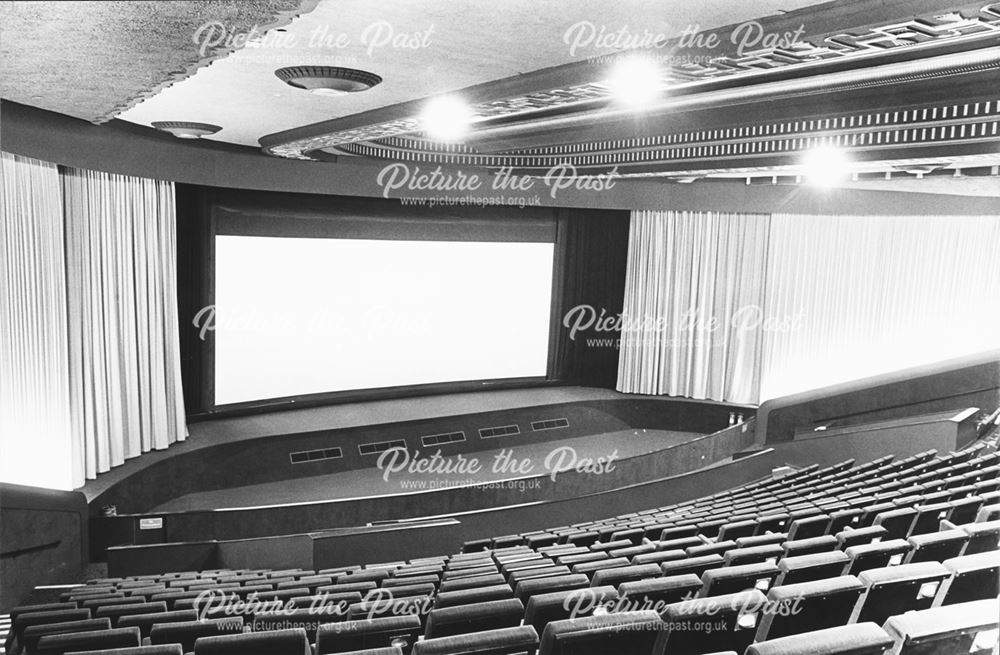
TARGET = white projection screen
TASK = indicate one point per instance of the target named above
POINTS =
(298, 316)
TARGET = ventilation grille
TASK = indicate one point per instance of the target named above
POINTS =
(305, 456)
(551, 424)
(439, 439)
(380, 446)
(500, 431)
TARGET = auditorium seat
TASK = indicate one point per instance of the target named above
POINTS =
(982, 537)
(857, 639)
(589, 568)
(936, 546)
(59, 644)
(762, 540)
(476, 595)
(876, 555)
(809, 606)
(31, 635)
(811, 526)
(186, 633)
(618, 575)
(622, 632)
(973, 577)
(401, 631)
(171, 649)
(696, 565)
(525, 589)
(655, 593)
(898, 589)
(471, 582)
(810, 546)
(716, 623)
(458, 619)
(276, 642)
(859, 536)
(659, 556)
(555, 606)
(508, 641)
(964, 628)
(896, 522)
(145, 622)
(544, 572)
(733, 579)
(24, 619)
(806, 568)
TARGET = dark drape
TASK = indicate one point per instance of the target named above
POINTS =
(592, 249)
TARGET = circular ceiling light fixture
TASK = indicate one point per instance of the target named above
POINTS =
(328, 80)
(446, 118)
(185, 129)
(635, 81)
(826, 166)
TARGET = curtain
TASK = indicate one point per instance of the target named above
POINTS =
(694, 291)
(35, 444)
(122, 316)
(856, 296)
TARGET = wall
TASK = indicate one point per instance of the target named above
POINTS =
(43, 539)
(541, 487)
(443, 535)
(952, 385)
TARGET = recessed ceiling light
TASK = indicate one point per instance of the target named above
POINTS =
(185, 129)
(825, 166)
(328, 80)
(635, 81)
(446, 118)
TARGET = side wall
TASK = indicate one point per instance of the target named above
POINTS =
(43, 539)
(952, 385)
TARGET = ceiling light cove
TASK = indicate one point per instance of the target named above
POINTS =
(328, 80)
(186, 129)
(446, 118)
(635, 81)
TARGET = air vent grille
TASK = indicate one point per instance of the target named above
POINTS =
(499, 431)
(380, 446)
(306, 456)
(441, 439)
(550, 424)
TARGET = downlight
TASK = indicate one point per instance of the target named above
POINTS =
(328, 80)
(635, 82)
(826, 166)
(446, 118)
(185, 129)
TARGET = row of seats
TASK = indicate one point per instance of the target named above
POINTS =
(841, 545)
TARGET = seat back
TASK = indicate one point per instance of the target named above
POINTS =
(621, 632)
(574, 603)
(459, 619)
(897, 589)
(401, 631)
(59, 644)
(936, 546)
(523, 639)
(657, 593)
(973, 577)
(962, 628)
(809, 606)
(857, 639)
(807, 568)
(186, 633)
(716, 623)
(876, 556)
(276, 642)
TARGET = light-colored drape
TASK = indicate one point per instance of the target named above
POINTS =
(693, 301)
(35, 429)
(123, 332)
(745, 308)
(89, 355)
(855, 296)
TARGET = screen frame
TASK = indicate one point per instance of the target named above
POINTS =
(306, 222)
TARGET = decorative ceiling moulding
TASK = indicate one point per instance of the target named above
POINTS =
(500, 113)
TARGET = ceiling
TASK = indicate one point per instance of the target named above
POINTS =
(724, 110)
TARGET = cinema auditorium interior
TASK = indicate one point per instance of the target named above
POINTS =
(447, 327)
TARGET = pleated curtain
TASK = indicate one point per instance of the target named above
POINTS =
(856, 296)
(745, 308)
(123, 331)
(89, 344)
(35, 420)
(693, 296)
